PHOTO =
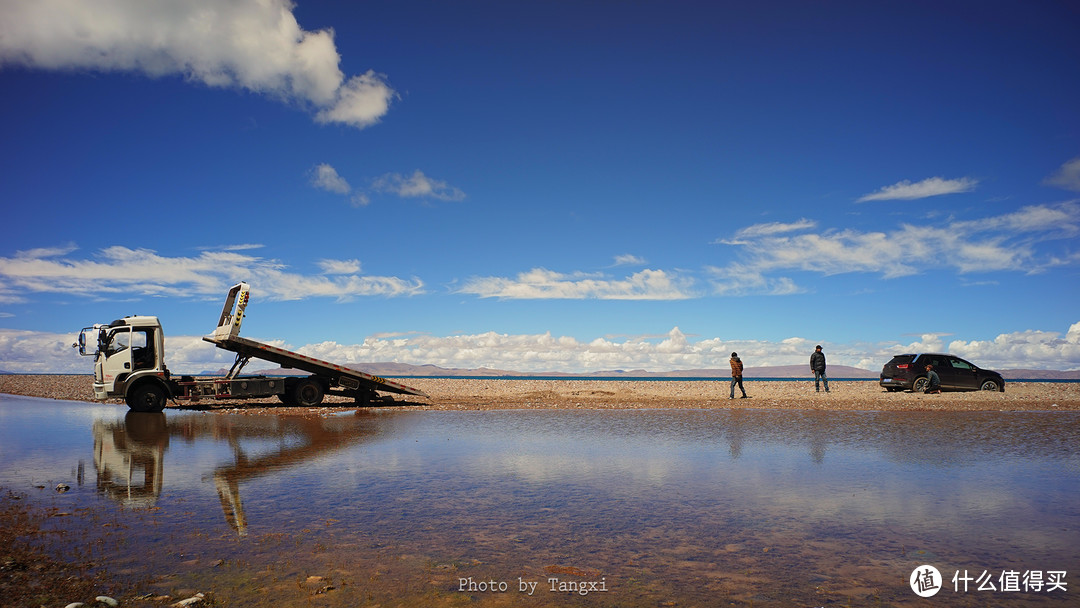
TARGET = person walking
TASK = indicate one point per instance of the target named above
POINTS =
(817, 365)
(736, 375)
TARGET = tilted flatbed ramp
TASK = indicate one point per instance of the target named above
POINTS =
(342, 376)
(227, 337)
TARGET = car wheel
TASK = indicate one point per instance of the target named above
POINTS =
(990, 385)
(920, 384)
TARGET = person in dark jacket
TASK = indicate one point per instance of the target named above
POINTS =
(933, 381)
(817, 365)
(736, 375)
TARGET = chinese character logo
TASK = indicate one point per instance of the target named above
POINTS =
(925, 581)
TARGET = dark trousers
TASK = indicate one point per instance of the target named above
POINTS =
(819, 377)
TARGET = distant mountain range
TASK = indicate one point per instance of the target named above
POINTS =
(775, 371)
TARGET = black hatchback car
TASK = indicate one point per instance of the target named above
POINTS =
(908, 372)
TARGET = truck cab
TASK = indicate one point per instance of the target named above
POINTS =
(126, 352)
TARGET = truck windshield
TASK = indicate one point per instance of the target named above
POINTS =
(117, 341)
(136, 342)
(124, 338)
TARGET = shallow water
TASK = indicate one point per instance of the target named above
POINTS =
(619, 508)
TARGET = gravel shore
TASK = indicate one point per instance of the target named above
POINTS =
(492, 394)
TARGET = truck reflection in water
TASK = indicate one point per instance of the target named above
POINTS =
(129, 455)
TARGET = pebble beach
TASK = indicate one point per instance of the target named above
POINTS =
(494, 393)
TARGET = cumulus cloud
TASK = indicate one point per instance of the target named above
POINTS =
(40, 352)
(543, 284)
(1067, 176)
(1024, 350)
(1010, 242)
(116, 271)
(325, 177)
(934, 186)
(417, 185)
(255, 45)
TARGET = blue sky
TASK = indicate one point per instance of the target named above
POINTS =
(545, 186)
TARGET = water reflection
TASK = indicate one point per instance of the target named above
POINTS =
(130, 454)
(130, 458)
(743, 507)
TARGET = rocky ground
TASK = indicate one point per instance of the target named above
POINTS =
(489, 394)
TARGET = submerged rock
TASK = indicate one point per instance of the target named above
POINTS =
(191, 601)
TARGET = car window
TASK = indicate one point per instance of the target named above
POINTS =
(960, 364)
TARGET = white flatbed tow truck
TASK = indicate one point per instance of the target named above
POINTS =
(129, 362)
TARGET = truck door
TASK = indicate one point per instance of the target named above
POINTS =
(117, 354)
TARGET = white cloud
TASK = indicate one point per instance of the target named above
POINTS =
(739, 279)
(250, 44)
(340, 266)
(759, 230)
(1067, 176)
(360, 102)
(1007, 242)
(627, 259)
(237, 247)
(934, 186)
(39, 352)
(543, 284)
(417, 185)
(1024, 350)
(122, 271)
(325, 177)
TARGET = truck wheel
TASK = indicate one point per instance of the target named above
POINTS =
(307, 393)
(146, 398)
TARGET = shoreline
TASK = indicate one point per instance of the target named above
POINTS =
(505, 394)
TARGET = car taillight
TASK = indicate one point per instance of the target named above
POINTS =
(901, 366)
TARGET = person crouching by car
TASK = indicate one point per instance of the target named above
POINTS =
(736, 375)
(933, 382)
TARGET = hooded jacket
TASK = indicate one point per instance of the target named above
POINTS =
(817, 362)
(736, 367)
